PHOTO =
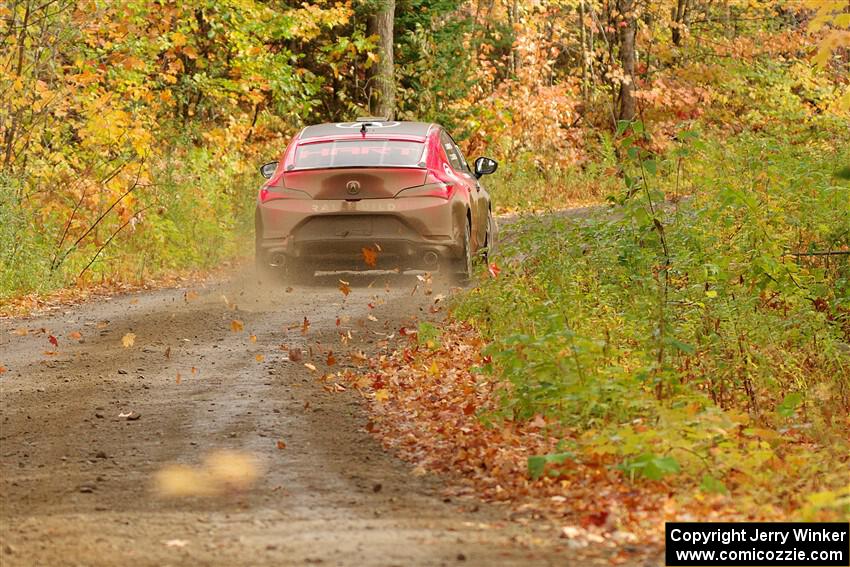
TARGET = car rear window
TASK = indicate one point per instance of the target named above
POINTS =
(359, 153)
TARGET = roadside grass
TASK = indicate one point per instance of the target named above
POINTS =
(701, 344)
(527, 184)
(190, 209)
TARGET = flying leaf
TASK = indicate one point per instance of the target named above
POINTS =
(236, 325)
(128, 340)
(370, 256)
(344, 287)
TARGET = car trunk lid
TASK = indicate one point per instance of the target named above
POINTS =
(355, 182)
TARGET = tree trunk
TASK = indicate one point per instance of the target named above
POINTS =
(382, 80)
(680, 17)
(627, 29)
(583, 51)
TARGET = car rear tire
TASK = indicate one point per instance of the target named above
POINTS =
(461, 269)
(490, 242)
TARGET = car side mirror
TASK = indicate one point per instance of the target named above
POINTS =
(268, 169)
(485, 166)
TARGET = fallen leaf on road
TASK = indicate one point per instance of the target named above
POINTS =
(331, 360)
(102, 324)
(236, 325)
(177, 380)
(53, 340)
(371, 317)
(382, 395)
(253, 338)
(281, 444)
(168, 352)
(295, 354)
(194, 370)
(176, 543)
(128, 340)
(344, 287)
(3, 369)
(130, 415)
(260, 358)
(305, 326)
(22, 332)
(310, 367)
(75, 335)
(189, 296)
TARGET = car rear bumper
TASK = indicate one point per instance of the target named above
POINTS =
(331, 234)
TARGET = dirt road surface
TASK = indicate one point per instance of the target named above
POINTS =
(77, 480)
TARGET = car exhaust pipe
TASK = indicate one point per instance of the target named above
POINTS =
(430, 258)
(277, 260)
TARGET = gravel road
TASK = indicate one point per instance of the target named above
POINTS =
(77, 480)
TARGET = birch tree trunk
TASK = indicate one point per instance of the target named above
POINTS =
(381, 75)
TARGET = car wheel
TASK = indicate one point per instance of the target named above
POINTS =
(462, 268)
(490, 242)
(265, 274)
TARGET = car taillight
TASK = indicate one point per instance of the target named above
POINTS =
(270, 194)
(441, 190)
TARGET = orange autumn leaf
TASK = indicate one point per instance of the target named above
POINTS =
(236, 325)
(331, 358)
(281, 444)
(260, 358)
(344, 287)
(305, 326)
(75, 335)
(128, 340)
(370, 257)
